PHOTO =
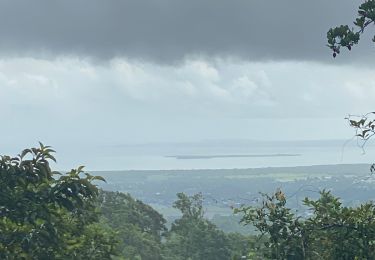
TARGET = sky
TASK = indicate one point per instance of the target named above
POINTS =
(81, 75)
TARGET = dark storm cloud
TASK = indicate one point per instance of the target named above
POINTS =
(169, 30)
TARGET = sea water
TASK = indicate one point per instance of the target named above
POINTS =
(226, 155)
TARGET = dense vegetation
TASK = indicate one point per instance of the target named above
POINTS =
(49, 215)
(332, 231)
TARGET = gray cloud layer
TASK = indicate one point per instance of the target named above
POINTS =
(169, 30)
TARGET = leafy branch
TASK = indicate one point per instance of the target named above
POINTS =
(344, 36)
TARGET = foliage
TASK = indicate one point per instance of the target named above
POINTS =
(143, 233)
(242, 246)
(333, 231)
(46, 214)
(192, 236)
(341, 232)
(139, 226)
(344, 36)
(364, 126)
(49, 215)
(284, 229)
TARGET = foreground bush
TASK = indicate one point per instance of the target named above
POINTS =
(49, 215)
(333, 231)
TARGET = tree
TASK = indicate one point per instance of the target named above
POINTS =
(331, 231)
(139, 226)
(338, 232)
(344, 36)
(192, 236)
(48, 215)
(284, 230)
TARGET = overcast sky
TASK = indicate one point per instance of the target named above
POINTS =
(93, 73)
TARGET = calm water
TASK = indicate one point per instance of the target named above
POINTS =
(224, 155)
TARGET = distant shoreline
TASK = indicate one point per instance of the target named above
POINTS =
(195, 157)
(297, 168)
